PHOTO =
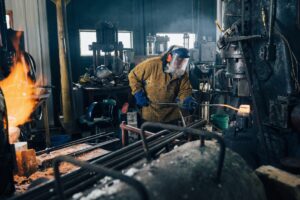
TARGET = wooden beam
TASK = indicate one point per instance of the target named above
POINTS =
(66, 1)
(65, 77)
(279, 185)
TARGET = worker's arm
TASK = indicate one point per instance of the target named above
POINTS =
(185, 89)
(138, 76)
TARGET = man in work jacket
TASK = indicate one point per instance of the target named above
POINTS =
(161, 80)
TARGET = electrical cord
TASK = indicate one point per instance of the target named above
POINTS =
(294, 71)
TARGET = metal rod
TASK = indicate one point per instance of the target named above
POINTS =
(125, 128)
(153, 146)
(134, 129)
(190, 131)
(126, 159)
(83, 140)
(84, 179)
(93, 147)
(127, 148)
(129, 158)
(182, 118)
(124, 135)
(220, 105)
(46, 124)
(138, 186)
(131, 154)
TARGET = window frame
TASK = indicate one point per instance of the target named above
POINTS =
(9, 13)
(181, 33)
(94, 31)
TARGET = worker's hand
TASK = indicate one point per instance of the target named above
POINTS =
(141, 98)
(189, 103)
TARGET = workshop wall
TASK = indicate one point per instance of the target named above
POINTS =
(30, 17)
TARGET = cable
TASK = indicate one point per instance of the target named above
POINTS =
(294, 71)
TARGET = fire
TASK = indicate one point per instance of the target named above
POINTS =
(19, 90)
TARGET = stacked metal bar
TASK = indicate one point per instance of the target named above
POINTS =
(86, 149)
(118, 160)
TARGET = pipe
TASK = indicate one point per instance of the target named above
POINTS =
(125, 128)
(102, 144)
(89, 138)
(129, 157)
(126, 155)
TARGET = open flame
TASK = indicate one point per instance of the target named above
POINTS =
(19, 89)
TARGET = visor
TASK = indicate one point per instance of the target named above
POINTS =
(177, 65)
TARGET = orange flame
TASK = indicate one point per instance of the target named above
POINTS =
(19, 90)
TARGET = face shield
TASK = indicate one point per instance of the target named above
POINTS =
(178, 65)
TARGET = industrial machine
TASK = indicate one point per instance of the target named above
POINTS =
(107, 42)
(257, 65)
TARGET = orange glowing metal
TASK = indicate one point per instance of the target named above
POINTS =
(19, 90)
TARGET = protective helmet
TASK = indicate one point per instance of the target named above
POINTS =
(181, 52)
(178, 61)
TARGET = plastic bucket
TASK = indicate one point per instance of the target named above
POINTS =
(220, 120)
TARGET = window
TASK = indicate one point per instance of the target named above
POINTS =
(9, 18)
(177, 39)
(87, 37)
(126, 38)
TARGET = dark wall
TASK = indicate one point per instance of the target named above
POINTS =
(85, 14)
(140, 16)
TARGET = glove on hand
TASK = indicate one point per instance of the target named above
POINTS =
(141, 99)
(189, 103)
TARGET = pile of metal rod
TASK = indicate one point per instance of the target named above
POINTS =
(81, 179)
(106, 137)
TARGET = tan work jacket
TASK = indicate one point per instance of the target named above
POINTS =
(159, 87)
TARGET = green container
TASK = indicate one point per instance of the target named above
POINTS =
(220, 120)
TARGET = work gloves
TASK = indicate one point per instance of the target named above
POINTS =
(141, 98)
(189, 103)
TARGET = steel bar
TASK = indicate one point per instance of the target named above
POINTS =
(46, 124)
(117, 164)
(129, 159)
(84, 179)
(125, 128)
(93, 147)
(129, 147)
(83, 140)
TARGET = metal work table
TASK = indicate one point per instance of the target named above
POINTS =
(93, 93)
